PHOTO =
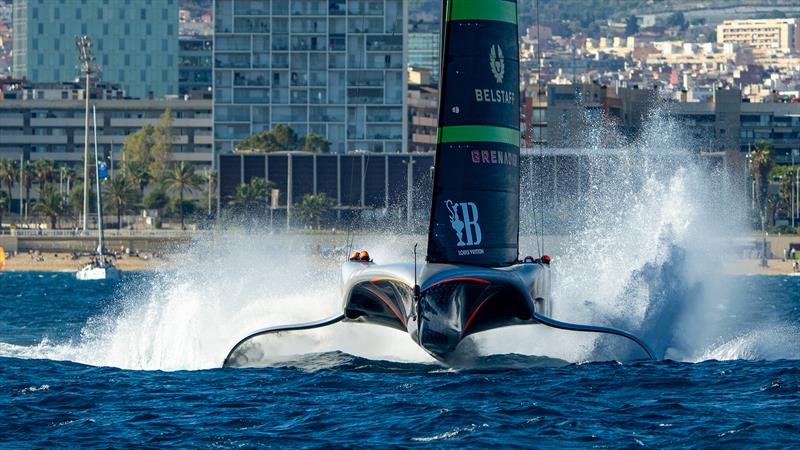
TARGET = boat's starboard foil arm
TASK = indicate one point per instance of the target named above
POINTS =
(234, 356)
(544, 320)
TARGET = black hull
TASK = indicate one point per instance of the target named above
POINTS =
(455, 301)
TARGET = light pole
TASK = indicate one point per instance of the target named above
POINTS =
(88, 67)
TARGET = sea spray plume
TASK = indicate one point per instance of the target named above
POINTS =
(644, 244)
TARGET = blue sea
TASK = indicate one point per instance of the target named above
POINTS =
(58, 386)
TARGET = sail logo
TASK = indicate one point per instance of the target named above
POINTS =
(464, 221)
(497, 64)
(498, 67)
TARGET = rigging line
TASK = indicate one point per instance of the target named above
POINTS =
(538, 95)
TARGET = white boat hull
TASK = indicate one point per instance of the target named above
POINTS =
(89, 273)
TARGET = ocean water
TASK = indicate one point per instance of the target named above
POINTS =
(58, 386)
(137, 363)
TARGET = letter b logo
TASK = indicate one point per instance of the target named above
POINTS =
(473, 231)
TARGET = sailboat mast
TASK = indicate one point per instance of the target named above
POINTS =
(100, 246)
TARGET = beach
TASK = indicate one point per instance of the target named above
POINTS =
(63, 262)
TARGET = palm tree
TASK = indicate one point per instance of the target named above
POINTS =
(761, 163)
(49, 205)
(314, 206)
(137, 174)
(44, 170)
(8, 176)
(5, 201)
(182, 178)
(248, 197)
(122, 193)
(28, 175)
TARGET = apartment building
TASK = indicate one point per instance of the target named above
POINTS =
(335, 68)
(762, 34)
(135, 42)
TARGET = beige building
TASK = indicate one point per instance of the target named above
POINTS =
(761, 34)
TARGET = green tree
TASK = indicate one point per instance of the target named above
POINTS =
(161, 151)
(49, 205)
(315, 143)
(45, 170)
(122, 195)
(136, 148)
(5, 202)
(76, 197)
(631, 26)
(182, 179)
(28, 175)
(282, 138)
(314, 207)
(136, 172)
(251, 196)
(156, 199)
(677, 20)
(8, 175)
(761, 163)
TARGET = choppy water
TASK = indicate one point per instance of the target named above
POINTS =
(751, 398)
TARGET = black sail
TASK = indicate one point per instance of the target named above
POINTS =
(475, 206)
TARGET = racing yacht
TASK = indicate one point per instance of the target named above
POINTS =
(473, 279)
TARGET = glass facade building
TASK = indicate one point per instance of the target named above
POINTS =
(194, 69)
(135, 42)
(330, 67)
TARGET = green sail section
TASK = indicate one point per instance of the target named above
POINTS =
(497, 10)
(475, 205)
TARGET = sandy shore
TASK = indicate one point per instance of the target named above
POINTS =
(753, 267)
(50, 262)
(53, 262)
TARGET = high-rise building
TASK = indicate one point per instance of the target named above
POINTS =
(335, 68)
(424, 30)
(135, 42)
(423, 51)
(762, 34)
(194, 65)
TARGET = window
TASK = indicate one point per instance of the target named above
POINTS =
(143, 14)
(121, 75)
(127, 60)
(164, 76)
(164, 14)
(143, 74)
(164, 45)
(57, 13)
(99, 13)
(127, 29)
(121, 14)
(105, 28)
(41, 28)
(122, 44)
(61, 28)
(148, 60)
(143, 45)
(78, 13)
(83, 29)
(149, 29)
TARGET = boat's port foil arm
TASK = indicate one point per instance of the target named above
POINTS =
(279, 329)
(544, 320)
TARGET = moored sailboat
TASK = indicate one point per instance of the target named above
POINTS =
(100, 267)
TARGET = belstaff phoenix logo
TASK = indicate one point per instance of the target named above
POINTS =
(464, 218)
(497, 63)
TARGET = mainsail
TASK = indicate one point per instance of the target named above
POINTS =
(475, 206)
